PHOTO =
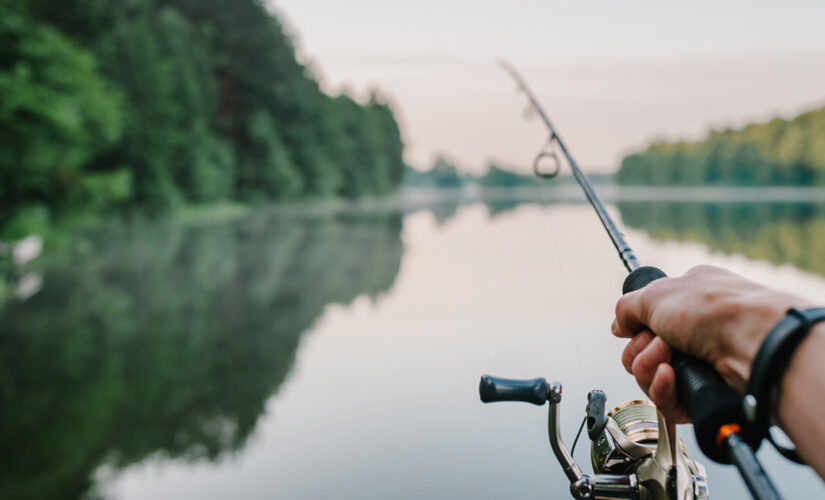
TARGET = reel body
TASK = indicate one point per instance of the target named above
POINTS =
(633, 453)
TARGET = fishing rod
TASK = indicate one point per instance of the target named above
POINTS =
(634, 452)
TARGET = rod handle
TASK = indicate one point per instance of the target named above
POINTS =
(711, 403)
(495, 389)
(640, 278)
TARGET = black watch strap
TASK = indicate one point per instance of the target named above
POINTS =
(769, 365)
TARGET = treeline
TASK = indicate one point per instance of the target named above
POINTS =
(780, 152)
(442, 174)
(155, 103)
(445, 174)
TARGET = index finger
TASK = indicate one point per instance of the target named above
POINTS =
(632, 314)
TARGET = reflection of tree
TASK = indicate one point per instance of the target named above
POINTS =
(443, 212)
(164, 339)
(778, 233)
(500, 207)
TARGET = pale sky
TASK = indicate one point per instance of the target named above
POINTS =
(613, 75)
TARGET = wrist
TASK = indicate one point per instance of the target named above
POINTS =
(797, 391)
(753, 317)
(792, 384)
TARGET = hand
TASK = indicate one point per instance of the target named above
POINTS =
(709, 313)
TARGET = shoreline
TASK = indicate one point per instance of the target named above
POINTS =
(411, 199)
(615, 193)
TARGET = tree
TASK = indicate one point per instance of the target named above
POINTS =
(497, 176)
(155, 103)
(266, 168)
(777, 152)
(56, 115)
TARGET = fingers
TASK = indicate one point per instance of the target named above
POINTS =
(633, 309)
(705, 269)
(636, 345)
(648, 360)
(663, 393)
(663, 388)
(630, 311)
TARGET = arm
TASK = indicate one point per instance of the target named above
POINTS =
(801, 404)
(717, 316)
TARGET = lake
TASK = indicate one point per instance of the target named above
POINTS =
(320, 353)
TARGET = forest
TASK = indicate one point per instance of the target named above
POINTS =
(152, 104)
(779, 152)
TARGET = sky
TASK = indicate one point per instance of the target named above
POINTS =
(613, 76)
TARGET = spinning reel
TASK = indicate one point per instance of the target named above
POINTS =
(633, 453)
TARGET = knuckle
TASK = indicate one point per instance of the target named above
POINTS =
(663, 351)
(621, 304)
(702, 269)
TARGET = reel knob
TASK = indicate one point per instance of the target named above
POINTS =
(495, 389)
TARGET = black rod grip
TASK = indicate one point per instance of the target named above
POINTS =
(494, 389)
(711, 403)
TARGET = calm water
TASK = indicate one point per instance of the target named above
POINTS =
(337, 355)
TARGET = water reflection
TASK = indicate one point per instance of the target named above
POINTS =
(779, 233)
(164, 347)
(164, 339)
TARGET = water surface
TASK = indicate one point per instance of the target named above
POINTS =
(336, 355)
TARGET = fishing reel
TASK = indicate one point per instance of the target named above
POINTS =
(634, 454)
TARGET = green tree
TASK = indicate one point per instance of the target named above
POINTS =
(153, 103)
(499, 176)
(444, 173)
(777, 152)
(56, 115)
(266, 168)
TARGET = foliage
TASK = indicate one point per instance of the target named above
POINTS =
(499, 176)
(443, 174)
(780, 152)
(153, 103)
(56, 114)
(370, 136)
(266, 169)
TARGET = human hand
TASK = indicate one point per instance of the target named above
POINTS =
(710, 314)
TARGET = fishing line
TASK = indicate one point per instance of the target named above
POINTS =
(551, 203)
(578, 434)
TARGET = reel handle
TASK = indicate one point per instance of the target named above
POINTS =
(494, 389)
(710, 402)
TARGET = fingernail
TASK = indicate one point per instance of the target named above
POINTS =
(613, 326)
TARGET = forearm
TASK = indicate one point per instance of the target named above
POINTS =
(801, 403)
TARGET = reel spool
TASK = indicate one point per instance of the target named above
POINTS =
(637, 420)
(637, 437)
